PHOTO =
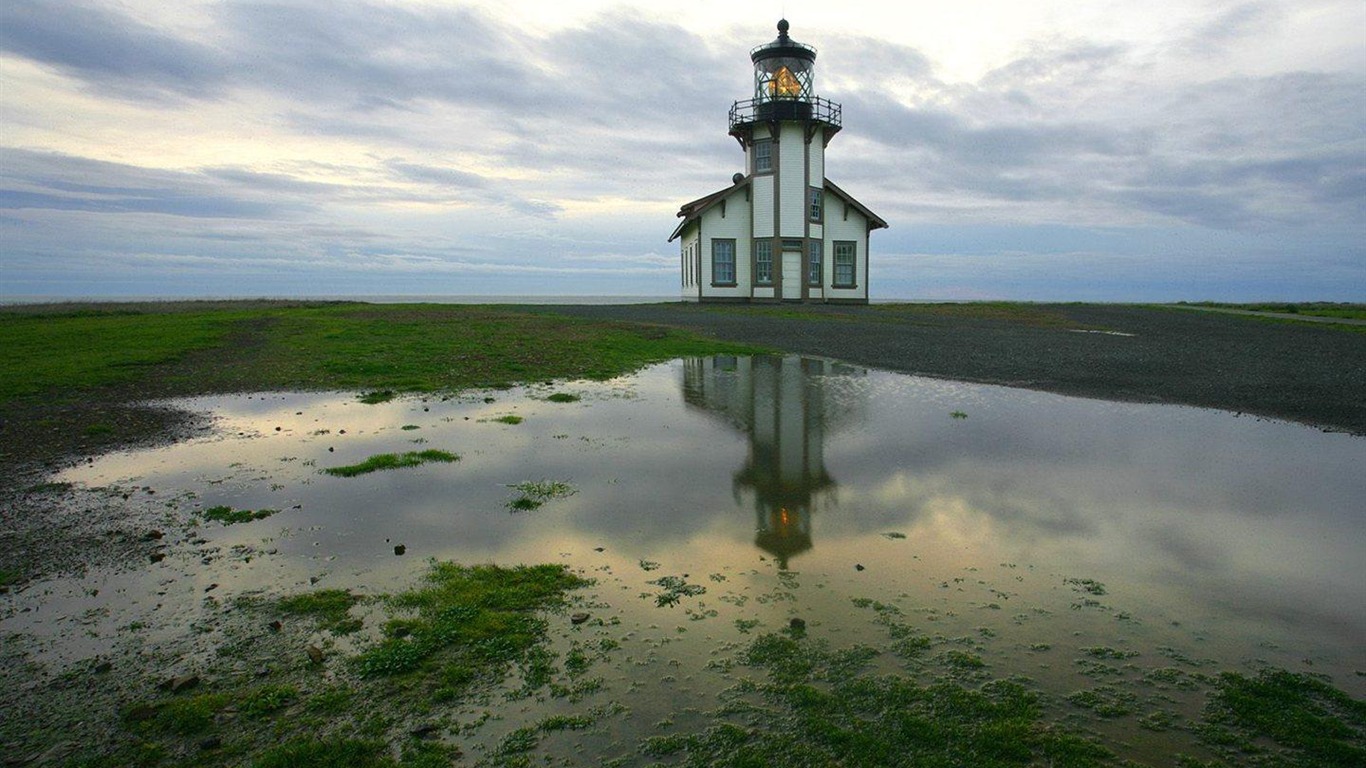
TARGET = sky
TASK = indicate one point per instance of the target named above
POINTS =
(1122, 150)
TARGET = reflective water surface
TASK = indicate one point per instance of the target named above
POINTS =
(787, 487)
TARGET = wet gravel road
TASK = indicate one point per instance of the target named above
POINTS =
(1311, 373)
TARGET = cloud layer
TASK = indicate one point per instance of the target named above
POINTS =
(297, 147)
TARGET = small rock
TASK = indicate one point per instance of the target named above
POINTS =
(277, 429)
(399, 549)
(858, 566)
(103, 668)
(315, 654)
(424, 731)
(314, 579)
(181, 683)
(140, 712)
(275, 626)
(578, 618)
(330, 449)
(157, 557)
(599, 549)
(797, 624)
(489, 399)
(154, 535)
(341, 431)
(211, 588)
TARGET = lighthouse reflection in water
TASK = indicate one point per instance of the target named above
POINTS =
(786, 408)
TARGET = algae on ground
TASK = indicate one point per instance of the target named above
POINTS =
(392, 461)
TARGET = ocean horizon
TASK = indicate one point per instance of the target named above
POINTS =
(19, 300)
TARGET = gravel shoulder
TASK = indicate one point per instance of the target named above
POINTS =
(1314, 374)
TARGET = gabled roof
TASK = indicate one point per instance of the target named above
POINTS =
(874, 221)
(694, 210)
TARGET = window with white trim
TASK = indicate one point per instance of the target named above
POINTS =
(813, 264)
(817, 204)
(723, 262)
(845, 275)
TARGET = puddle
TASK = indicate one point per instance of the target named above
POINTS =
(1075, 542)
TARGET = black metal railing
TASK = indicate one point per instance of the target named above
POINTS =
(762, 110)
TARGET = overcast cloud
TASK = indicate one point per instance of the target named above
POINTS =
(1092, 150)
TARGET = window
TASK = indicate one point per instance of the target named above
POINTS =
(723, 262)
(844, 263)
(763, 156)
(763, 262)
(816, 204)
(813, 263)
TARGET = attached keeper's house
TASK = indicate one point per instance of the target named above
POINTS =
(781, 231)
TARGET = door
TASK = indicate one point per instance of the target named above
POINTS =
(792, 275)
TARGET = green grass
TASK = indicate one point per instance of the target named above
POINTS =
(1310, 722)
(467, 618)
(563, 397)
(70, 352)
(379, 349)
(330, 608)
(533, 494)
(229, 516)
(818, 706)
(330, 753)
(382, 461)
(509, 419)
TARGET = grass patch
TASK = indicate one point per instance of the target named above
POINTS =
(228, 516)
(330, 753)
(267, 700)
(45, 353)
(1310, 722)
(818, 706)
(331, 608)
(383, 461)
(467, 618)
(193, 347)
(563, 397)
(511, 418)
(377, 397)
(189, 716)
(533, 494)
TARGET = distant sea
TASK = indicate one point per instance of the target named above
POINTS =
(378, 299)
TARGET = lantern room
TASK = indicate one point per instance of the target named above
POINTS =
(783, 69)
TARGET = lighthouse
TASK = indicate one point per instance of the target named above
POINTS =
(782, 230)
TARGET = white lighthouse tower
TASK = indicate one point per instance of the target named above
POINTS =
(781, 231)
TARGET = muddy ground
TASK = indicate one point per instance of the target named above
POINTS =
(1310, 373)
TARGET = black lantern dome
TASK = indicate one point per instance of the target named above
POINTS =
(783, 69)
(784, 86)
